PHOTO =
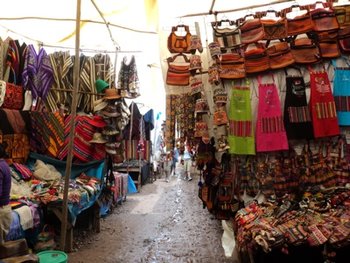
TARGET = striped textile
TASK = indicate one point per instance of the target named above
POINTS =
(241, 128)
(325, 110)
(12, 63)
(342, 103)
(272, 124)
(131, 152)
(299, 114)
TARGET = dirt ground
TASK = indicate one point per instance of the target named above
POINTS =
(165, 222)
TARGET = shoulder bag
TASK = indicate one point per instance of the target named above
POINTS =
(178, 74)
(256, 59)
(227, 37)
(179, 44)
(275, 29)
(231, 66)
(324, 20)
(344, 39)
(252, 31)
(305, 51)
(299, 24)
(342, 13)
(328, 44)
(280, 55)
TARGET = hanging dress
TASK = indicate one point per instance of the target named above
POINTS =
(128, 80)
(341, 92)
(241, 135)
(322, 105)
(270, 131)
(297, 116)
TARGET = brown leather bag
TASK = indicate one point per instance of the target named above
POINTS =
(300, 24)
(232, 66)
(178, 75)
(328, 44)
(344, 39)
(275, 29)
(256, 59)
(179, 44)
(252, 31)
(305, 51)
(324, 20)
(342, 13)
(280, 55)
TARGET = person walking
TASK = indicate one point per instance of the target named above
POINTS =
(5, 188)
(175, 156)
(168, 162)
(187, 162)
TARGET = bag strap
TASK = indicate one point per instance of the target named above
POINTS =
(172, 59)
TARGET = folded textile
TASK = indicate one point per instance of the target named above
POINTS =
(25, 216)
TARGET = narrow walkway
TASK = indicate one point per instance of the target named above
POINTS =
(163, 223)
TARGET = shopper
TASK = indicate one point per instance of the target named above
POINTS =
(175, 156)
(187, 162)
(168, 162)
(5, 188)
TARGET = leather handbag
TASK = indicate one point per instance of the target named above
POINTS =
(305, 51)
(342, 13)
(324, 20)
(301, 23)
(178, 75)
(256, 59)
(280, 55)
(227, 37)
(344, 39)
(232, 66)
(252, 31)
(14, 97)
(328, 44)
(274, 29)
(177, 43)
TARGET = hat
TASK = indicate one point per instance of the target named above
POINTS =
(195, 43)
(2, 91)
(101, 85)
(111, 111)
(214, 49)
(97, 121)
(220, 96)
(196, 85)
(201, 106)
(100, 105)
(195, 62)
(201, 129)
(111, 94)
(213, 75)
(98, 138)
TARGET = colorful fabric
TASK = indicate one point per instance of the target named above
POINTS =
(341, 93)
(132, 153)
(5, 183)
(299, 114)
(270, 131)
(241, 136)
(322, 105)
(128, 80)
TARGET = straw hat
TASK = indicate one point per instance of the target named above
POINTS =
(111, 94)
(98, 138)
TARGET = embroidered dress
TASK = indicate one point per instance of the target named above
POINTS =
(322, 105)
(341, 92)
(241, 135)
(297, 116)
(128, 80)
(270, 131)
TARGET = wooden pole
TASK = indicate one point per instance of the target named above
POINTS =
(72, 130)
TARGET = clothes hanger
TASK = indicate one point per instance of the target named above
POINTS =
(250, 15)
(295, 11)
(271, 14)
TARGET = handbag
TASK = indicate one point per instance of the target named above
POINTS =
(256, 59)
(328, 44)
(342, 13)
(305, 51)
(324, 20)
(274, 29)
(231, 66)
(252, 31)
(179, 44)
(178, 75)
(14, 97)
(226, 37)
(280, 55)
(344, 39)
(299, 24)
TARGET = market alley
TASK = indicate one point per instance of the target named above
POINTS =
(165, 222)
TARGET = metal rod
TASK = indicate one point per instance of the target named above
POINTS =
(72, 130)
(212, 7)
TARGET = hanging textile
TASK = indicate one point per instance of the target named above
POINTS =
(341, 92)
(270, 131)
(170, 122)
(4, 45)
(128, 80)
(297, 116)
(241, 135)
(322, 105)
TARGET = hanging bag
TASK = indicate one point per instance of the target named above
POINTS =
(178, 74)
(344, 39)
(274, 29)
(177, 43)
(297, 116)
(342, 13)
(252, 31)
(241, 134)
(305, 51)
(341, 92)
(270, 131)
(299, 24)
(227, 37)
(324, 19)
(280, 55)
(231, 66)
(256, 58)
(322, 105)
